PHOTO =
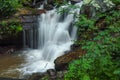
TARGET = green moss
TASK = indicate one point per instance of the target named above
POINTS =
(10, 28)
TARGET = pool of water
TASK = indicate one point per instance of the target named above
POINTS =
(10, 64)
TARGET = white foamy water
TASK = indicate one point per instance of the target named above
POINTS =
(55, 36)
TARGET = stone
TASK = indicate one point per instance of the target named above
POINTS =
(36, 76)
(60, 74)
(75, 1)
(52, 73)
(88, 10)
(75, 46)
(8, 49)
(26, 3)
(32, 3)
(51, 2)
(37, 3)
(23, 11)
(41, 11)
(48, 7)
(61, 63)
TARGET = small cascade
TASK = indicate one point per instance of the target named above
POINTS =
(55, 34)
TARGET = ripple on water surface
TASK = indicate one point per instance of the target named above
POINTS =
(10, 64)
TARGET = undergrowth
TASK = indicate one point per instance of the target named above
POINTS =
(101, 40)
(10, 28)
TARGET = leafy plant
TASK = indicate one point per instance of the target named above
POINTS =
(10, 28)
(116, 1)
(8, 7)
(102, 43)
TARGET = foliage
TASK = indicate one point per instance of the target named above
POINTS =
(25, 1)
(45, 78)
(60, 2)
(101, 40)
(8, 7)
(11, 28)
(116, 1)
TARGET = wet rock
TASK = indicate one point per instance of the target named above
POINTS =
(41, 76)
(41, 11)
(36, 76)
(48, 7)
(8, 49)
(60, 74)
(75, 1)
(88, 10)
(32, 3)
(75, 46)
(52, 73)
(61, 62)
(26, 11)
(101, 24)
(50, 2)
(26, 3)
(37, 4)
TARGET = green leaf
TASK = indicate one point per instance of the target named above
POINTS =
(86, 77)
(19, 28)
(117, 71)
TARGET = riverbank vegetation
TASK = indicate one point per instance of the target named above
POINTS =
(100, 37)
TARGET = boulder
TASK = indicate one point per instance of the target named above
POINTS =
(8, 49)
(61, 62)
(50, 2)
(61, 74)
(36, 76)
(52, 73)
(48, 6)
(32, 3)
(23, 11)
(75, 46)
(41, 11)
(88, 10)
(75, 1)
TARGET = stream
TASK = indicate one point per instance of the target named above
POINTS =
(55, 34)
(10, 64)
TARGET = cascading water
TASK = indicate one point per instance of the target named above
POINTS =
(55, 36)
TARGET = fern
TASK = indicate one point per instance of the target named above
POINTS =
(101, 62)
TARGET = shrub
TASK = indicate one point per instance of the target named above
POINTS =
(10, 28)
(116, 1)
(8, 7)
(102, 43)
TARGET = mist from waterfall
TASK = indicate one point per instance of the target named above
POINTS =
(56, 34)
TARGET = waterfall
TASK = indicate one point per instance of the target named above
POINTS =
(55, 36)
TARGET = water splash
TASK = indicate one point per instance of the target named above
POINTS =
(54, 38)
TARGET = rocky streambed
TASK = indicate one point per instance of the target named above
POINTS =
(61, 66)
(11, 60)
